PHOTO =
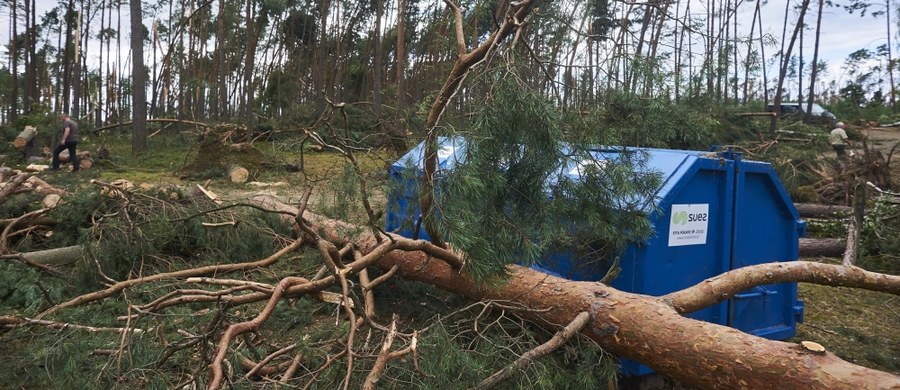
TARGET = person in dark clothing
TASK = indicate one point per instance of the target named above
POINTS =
(68, 141)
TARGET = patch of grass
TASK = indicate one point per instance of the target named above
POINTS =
(859, 326)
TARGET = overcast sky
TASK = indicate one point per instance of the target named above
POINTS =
(842, 33)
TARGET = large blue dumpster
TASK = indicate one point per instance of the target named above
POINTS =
(714, 212)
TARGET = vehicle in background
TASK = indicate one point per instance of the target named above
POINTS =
(790, 109)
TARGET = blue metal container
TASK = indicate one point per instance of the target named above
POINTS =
(714, 212)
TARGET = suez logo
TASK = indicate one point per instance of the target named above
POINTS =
(682, 217)
(689, 224)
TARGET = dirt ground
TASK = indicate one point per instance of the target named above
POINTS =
(886, 139)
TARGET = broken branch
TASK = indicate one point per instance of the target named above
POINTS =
(538, 352)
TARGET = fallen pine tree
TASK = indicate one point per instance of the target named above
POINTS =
(652, 330)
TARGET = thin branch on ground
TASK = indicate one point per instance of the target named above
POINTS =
(386, 355)
(255, 369)
(14, 322)
(580, 321)
(206, 270)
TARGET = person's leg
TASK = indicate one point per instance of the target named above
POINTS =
(841, 155)
(73, 156)
(55, 161)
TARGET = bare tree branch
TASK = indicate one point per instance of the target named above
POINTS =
(540, 351)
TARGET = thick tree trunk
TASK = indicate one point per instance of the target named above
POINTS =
(762, 54)
(815, 68)
(890, 54)
(76, 66)
(377, 70)
(31, 80)
(139, 76)
(14, 72)
(640, 327)
(399, 136)
(250, 63)
(56, 256)
(219, 101)
(67, 60)
(813, 210)
(828, 247)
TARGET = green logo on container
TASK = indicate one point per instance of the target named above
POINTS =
(680, 218)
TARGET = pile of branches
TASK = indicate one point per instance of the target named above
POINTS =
(837, 178)
(178, 290)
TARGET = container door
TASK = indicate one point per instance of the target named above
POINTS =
(765, 231)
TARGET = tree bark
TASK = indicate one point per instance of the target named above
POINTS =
(219, 101)
(377, 71)
(890, 53)
(76, 69)
(399, 138)
(762, 53)
(253, 33)
(813, 210)
(639, 327)
(14, 72)
(139, 76)
(24, 137)
(828, 247)
(67, 66)
(56, 256)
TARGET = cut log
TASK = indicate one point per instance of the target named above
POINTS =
(43, 187)
(238, 174)
(57, 256)
(30, 222)
(812, 210)
(116, 188)
(639, 327)
(85, 163)
(11, 186)
(828, 247)
(37, 167)
(51, 201)
(25, 137)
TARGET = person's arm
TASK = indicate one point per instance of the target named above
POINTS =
(65, 135)
(847, 139)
